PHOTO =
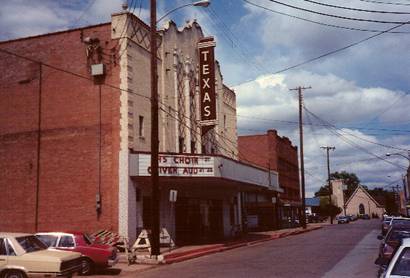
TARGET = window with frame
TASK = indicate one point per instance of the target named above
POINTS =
(141, 126)
(49, 240)
(3, 251)
(66, 241)
(402, 265)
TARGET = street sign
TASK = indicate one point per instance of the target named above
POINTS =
(173, 196)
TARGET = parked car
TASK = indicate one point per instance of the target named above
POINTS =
(342, 219)
(24, 255)
(93, 255)
(352, 217)
(394, 221)
(366, 217)
(399, 265)
(392, 240)
(386, 224)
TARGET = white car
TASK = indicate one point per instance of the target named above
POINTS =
(399, 265)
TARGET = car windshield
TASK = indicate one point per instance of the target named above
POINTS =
(31, 243)
(401, 221)
(49, 240)
(402, 266)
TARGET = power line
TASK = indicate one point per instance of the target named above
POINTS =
(348, 141)
(307, 124)
(339, 49)
(339, 16)
(354, 9)
(321, 23)
(68, 72)
(385, 3)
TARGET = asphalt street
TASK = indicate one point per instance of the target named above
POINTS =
(346, 250)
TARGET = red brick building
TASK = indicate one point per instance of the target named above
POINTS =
(276, 153)
(58, 132)
(75, 123)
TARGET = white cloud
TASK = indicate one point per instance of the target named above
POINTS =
(267, 103)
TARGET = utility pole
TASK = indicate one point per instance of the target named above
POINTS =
(405, 194)
(302, 163)
(327, 148)
(155, 250)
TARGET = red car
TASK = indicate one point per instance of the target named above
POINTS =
(392, 240)
(93, 255)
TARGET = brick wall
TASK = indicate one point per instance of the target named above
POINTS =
(70, 139)
(277, 153)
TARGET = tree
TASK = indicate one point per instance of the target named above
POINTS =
(330, 210)
(385, 198)
(350, 179)
(323, 191)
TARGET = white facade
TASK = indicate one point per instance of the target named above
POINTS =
(210, 187)
(362, 203)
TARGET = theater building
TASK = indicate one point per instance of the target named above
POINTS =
(277, 153)
(75, 135)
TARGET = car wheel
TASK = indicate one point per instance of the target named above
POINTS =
(14, 274)
(86, 267)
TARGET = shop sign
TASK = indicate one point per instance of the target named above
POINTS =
(207, 80)
(173, 196)
(178, 165)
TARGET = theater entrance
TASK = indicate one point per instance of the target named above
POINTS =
(198, 221)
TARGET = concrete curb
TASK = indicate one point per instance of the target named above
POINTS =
(187, 255)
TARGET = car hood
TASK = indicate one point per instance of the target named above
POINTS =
(56, 255)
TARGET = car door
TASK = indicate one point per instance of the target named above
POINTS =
(3, 253)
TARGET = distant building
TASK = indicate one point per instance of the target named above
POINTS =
(312, 205)
(277, 153)
(337, 193)
(361, 202)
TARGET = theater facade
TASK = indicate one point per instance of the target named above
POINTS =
(75, 135)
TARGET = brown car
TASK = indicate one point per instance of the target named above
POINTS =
(24, 255)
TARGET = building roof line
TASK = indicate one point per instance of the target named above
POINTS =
(55, 33)
(367, 193)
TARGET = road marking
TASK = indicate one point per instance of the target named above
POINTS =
(359, 262)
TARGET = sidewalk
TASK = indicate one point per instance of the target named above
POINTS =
(194, 251)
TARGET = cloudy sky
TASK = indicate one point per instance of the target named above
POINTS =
(358, 103)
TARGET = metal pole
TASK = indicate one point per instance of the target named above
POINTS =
(155, 250)
(40, 87)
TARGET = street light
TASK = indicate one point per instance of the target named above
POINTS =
(155, 250)
(203, 3)
(408, 173)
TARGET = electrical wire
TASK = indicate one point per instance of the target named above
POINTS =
(354, 9)
(385, 3)
(339, 49)
(321, 23)
(348, 141)
(306, 124)
(8, 52)
(90, 4)
(339, 16)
